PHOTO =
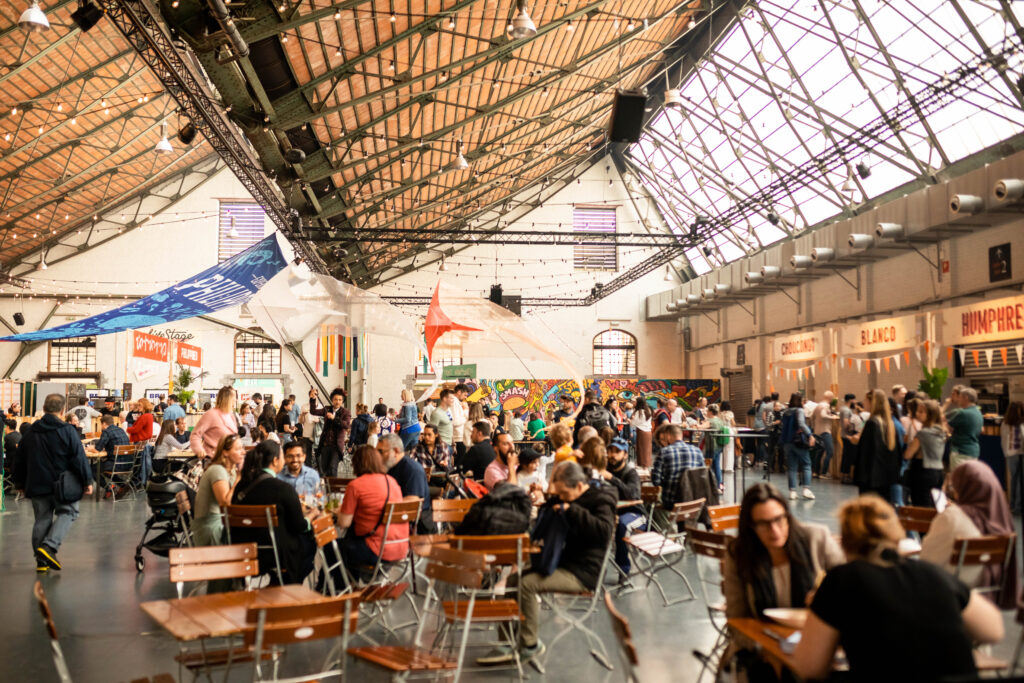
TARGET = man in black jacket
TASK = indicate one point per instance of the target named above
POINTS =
(480, 455)
(590, 516)
(626, 480)
(337, 421)
(51, 447)
(592, 414)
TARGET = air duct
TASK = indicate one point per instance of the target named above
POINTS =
(707, 294)
(220, 12)
(966, 204)
(889, 230)
(723, 288)
(752, 278)
(861, 241)
(680, 303)
(671, 308)
(769, 272)
(821, 254)
(1009, 189)
(801, 260)
(693, 299)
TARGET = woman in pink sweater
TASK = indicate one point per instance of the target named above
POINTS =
(215, 424)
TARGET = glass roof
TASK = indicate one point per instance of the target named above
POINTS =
(903, 89)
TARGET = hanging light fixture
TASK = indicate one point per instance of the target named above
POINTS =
(444, 266)
(42, 261)
(849, 185)
(233, 232)
(33, 20)
(668, 274)
(460, 163)
(164, 146)
(522, 25)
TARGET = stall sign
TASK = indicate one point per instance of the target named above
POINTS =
(189, 355)
(799, 346)
(986, 321)
(149, 346)
(880, 335)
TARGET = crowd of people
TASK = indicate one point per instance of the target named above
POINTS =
(575, 466)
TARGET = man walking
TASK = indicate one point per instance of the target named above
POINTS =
(50, 448)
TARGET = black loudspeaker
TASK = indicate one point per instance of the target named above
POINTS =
(87, 15)
(513, 302)
(495, 296)
(19, 318)
(627, 116)
(187, 133)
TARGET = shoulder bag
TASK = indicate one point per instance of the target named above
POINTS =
(67, 488)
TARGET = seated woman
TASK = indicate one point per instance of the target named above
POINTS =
(215, 490)
(979, 508)
(362, 514)
(897, 619)
(774, 561)
(259, 485)
(166, 442)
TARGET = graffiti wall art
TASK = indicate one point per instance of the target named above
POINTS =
(512, 394)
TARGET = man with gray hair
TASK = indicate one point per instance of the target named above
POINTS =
(410, 477)
(589, 514)
(50, 448)
(966, 426)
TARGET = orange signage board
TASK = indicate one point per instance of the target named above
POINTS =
(150, 346)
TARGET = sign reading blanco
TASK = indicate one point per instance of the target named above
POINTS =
(986, 321)
(880, 335)
(799, 347)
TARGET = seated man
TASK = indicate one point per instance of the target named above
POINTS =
(410, 477)
(675, 457)
(589, 513)
(480, 455)
(181, 432)
(111, 437)
(296, 473)
(173, 411)
(624, 477)
(504, 467)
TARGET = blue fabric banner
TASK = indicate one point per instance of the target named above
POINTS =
(224, 285)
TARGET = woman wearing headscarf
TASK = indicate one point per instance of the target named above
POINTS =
(979, 509)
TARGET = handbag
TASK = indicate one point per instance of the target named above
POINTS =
(550, 533)
(67, 488)
(801, 439)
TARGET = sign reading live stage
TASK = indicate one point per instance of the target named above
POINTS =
(799, 347)
(879, 335)
(986, 321)
(226, 284)
(150, 347)
(189, 355)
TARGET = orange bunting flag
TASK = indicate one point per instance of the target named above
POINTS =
(849, 362)
(1002, 352)
(949, 354)
(819, 364)
(906, 356)
(927, 346)
(974, 354)
(885, 362)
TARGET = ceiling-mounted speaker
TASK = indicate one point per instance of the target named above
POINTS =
(627, 116)
(87, 15)
(495, 296)
(294, 156)
(187, 133)
(19, 318)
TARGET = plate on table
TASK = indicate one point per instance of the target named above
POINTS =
(794, 617)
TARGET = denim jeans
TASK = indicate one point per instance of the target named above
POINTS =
(797, 458)
(825, 439)
(53, 521)
(409, 439)
(628, 522)
(716, 464)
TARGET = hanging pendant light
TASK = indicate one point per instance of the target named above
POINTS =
(673, 98)
(668, 274)
(522, 25)
(849, 185)
(233, 232)
(33, 20)
(42, 261)
(460, 163)
(444, 266)
(164, 146)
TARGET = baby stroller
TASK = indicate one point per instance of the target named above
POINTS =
(165, 521)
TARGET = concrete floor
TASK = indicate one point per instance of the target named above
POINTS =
(106, 637)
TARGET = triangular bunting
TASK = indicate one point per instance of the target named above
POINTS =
(917, 352)
(897, 359)
(906, 356)
(1020, 353)
(963, 356)
(988, 356)
(885, 362)
(1002, 352)
(849, 362)
(975, 356)
(813, 374)
(878, 364)
(949, 354)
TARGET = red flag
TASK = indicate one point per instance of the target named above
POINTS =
(438, 323)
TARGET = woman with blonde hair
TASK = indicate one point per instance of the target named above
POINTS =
(215, 423)
(476, 414)
(408, 421)
(877, 466)
(896, 619)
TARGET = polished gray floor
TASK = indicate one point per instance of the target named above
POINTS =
(106, 637)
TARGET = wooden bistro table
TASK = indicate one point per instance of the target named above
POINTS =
(754, 630)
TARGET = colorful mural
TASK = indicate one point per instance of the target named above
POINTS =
(542, 394)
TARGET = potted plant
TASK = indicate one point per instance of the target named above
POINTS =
(183, 380)
(933, 381)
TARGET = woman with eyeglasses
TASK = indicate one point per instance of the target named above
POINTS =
(774, 561)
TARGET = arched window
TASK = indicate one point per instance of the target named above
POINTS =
(614, 353)
(256, 355)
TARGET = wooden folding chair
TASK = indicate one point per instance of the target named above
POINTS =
(984, 551)
(709, 547)
(184, 516)
(623, 634)
(724, 517)
(382, 591)
(256, 517)
(277, 627)
(119, 478)
(655, 551)
(651, 497)
(451, 511)
(916, 519)
(459, 570)
(51, 630)
(208, 563)
(337, 484)
(326, 534)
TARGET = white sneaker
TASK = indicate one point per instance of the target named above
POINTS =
(793, 495)
(808, 494)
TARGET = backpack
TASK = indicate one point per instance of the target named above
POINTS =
(723, 441)
(505, 510)
(597, 417)
(787, 428)
(359, 430)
